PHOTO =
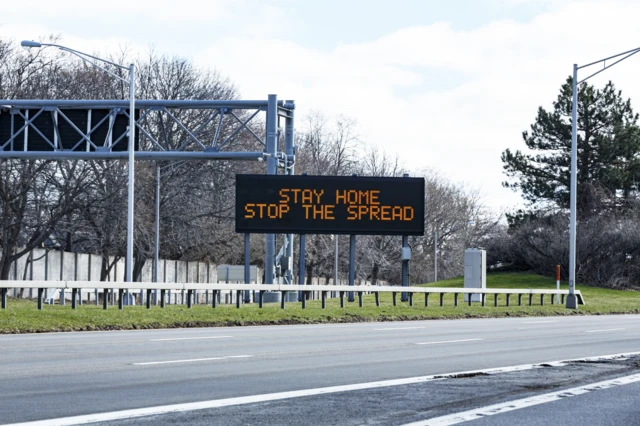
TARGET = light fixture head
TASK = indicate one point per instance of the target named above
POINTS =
(30, 43)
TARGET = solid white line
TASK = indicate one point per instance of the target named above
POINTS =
(505, 407)
(192, 360)
(537, 322)
(397, 328)
(448, 341)
(164, 409)
(189, 338)
(602, 331)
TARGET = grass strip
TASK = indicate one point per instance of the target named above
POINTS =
(22, 316)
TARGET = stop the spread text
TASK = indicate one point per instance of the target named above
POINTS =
(318, 205)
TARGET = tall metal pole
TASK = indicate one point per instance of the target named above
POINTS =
(435, 256)
(301, 264)
(405, 269)
(571, 298)
(156, 248)
(247, 266)
(130, 207)
(352, 264)
(335, 260)
(289, 164)
(272, 164)
(405, 263)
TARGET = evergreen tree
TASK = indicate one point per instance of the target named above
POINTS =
(608, 152)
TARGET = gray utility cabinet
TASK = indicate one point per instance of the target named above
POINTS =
(475, 271)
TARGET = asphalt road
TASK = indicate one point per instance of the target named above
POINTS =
(49, 376)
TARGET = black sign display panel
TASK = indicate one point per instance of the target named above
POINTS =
(69, 138)
(329, 205)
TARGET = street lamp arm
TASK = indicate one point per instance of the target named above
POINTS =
(82, 56)
(610, 57)
(628, 54)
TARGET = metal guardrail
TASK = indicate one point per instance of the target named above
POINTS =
(282, 288)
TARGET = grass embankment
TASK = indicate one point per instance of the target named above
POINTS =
(22, 316)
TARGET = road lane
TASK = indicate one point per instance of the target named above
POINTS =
(62, 374)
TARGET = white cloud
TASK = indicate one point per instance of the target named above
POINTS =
(505, 70)
(158, 10)
(439, 96)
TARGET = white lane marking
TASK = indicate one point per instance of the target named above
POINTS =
(164, 409)
(397, 328)
(537, 322)
(505, 407)
(192, 360)
(189, 338)
(602, 331)
(448, 341)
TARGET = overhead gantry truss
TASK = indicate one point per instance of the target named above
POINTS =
(166, 130)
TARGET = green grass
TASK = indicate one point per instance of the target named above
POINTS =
(22, 316)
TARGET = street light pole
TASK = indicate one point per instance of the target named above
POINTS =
(435, 256)
(571, 297)
(132, 123)
(572, 302)
(130, 207)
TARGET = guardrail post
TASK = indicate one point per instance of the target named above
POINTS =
(360, 299)
(410, 298)
(426, 300)
(530, 299)
(495, 299)
(441, 299)
(324, 299)
(214, 298)
(394, 298)
(120, 298)
(508, 299)
(470, 295)
(148, 298)
(189, 299)
(3, 296)
(238, 294)
(74, 293)
(483, 297)
(342, 299)
(105, 298)
(377, 298)
(552, 299)
(162, 295)
(562, 299)
(283, 295)
(541, 299)
(520, 300)
(304, 300)
(455, 299)
(260, 298)
(40, 291)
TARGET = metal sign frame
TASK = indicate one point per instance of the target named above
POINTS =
(154, 142)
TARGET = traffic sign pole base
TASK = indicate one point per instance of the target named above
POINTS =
(572, 301)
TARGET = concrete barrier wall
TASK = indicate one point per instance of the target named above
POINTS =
(54, 265)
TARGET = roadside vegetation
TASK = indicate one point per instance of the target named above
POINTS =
(22, 315)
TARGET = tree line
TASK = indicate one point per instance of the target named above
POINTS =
(81, 206)
(608, 202)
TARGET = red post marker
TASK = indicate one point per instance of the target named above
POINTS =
(558, 282)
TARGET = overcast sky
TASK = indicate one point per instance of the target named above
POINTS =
(445, 84)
